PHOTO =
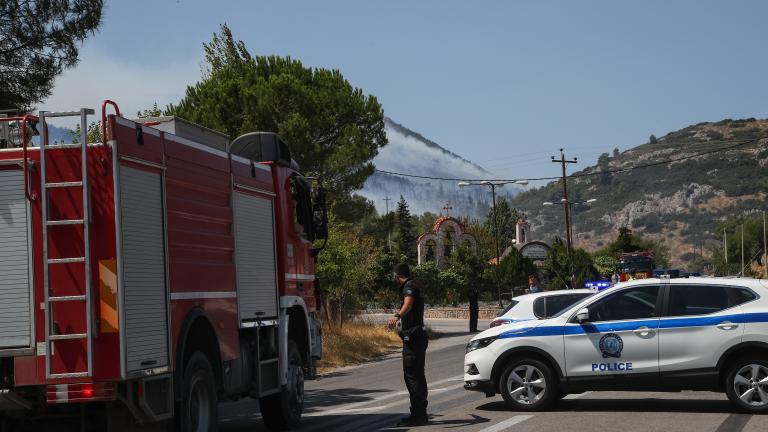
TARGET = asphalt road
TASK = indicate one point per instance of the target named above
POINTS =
(372, 397)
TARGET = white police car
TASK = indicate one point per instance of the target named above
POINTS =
(540, 305)
(650, 334)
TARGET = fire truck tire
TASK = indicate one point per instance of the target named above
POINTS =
(198, 408)
(282, 411)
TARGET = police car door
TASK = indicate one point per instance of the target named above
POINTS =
(700, 323)
(619, 338)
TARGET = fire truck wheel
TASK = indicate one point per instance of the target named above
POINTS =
(282, 411)
(198, 407)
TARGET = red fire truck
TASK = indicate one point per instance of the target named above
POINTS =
(636, 265)
(147, 277)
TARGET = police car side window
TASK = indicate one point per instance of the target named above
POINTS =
(631, 303)
(705, 299)
(539, 307)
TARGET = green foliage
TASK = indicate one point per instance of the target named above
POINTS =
(603, 163)
(93, 134)
(506, 218)
(406, 239)
(39, 39)
(333, 129)
(511, 273)
(151, 112)
(424, 222)
(605, 264)
(584, 269)
(556, 270)
(348, 268)
(353, 208)
(626, 242)
(753, 245)
(428, 275)
(449, 283)
(653, 139)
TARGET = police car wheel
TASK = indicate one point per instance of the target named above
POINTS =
(528, 385)
(747, 385)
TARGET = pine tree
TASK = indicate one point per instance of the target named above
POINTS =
(38, 41)
(406, 240)
(506, 218)
(333, 129)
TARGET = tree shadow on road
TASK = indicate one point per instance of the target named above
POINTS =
(630, 405)
(457, 423)
(317, 400)
(386, 422)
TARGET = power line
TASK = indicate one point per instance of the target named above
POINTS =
(578, 175)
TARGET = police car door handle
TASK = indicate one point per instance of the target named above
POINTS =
(727, 325)
(644, 331)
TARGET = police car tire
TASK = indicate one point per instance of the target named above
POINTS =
(551, 389)
(730, 389)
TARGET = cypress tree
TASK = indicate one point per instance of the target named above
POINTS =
(406, 240)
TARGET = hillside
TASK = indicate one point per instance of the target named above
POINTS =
(678, 203)
(410, 152)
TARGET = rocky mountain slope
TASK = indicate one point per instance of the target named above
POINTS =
(691, 180)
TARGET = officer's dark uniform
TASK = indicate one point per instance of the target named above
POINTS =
(414, 350)
(474, 309)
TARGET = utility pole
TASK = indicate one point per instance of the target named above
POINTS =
(567, 208)
(741, 272)
(387, 199)
(725, 250)
(765, 251)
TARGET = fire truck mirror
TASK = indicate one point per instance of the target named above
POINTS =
(320, 214)
(303, 208)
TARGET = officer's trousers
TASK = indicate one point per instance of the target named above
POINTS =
(474, 311)
(414, 357)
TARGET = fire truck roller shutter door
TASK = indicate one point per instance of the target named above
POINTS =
(255, 257)
(144, 279)
(15, 323)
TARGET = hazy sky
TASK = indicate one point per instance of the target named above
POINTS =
(502, 83)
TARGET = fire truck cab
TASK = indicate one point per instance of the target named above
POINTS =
(636, 265)
(149, 276)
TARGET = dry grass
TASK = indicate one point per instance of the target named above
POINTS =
(354, 343)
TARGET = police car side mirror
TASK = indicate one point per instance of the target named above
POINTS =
(582, 315)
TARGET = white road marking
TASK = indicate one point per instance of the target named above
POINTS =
(577, 396)
(506, 424)
(357, 406)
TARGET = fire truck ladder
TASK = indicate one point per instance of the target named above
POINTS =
(86, 297)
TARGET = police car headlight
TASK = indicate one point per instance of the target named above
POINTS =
(480, 343)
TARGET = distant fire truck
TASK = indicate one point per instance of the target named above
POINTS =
(145, 278)
(636, 265)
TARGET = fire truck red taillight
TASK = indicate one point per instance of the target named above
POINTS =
(85, 392)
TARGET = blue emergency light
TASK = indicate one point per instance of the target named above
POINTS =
(598, 285)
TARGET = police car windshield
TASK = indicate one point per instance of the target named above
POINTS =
(512, 304)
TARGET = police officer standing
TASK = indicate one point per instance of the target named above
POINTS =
(474, 309)
(411, 315)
